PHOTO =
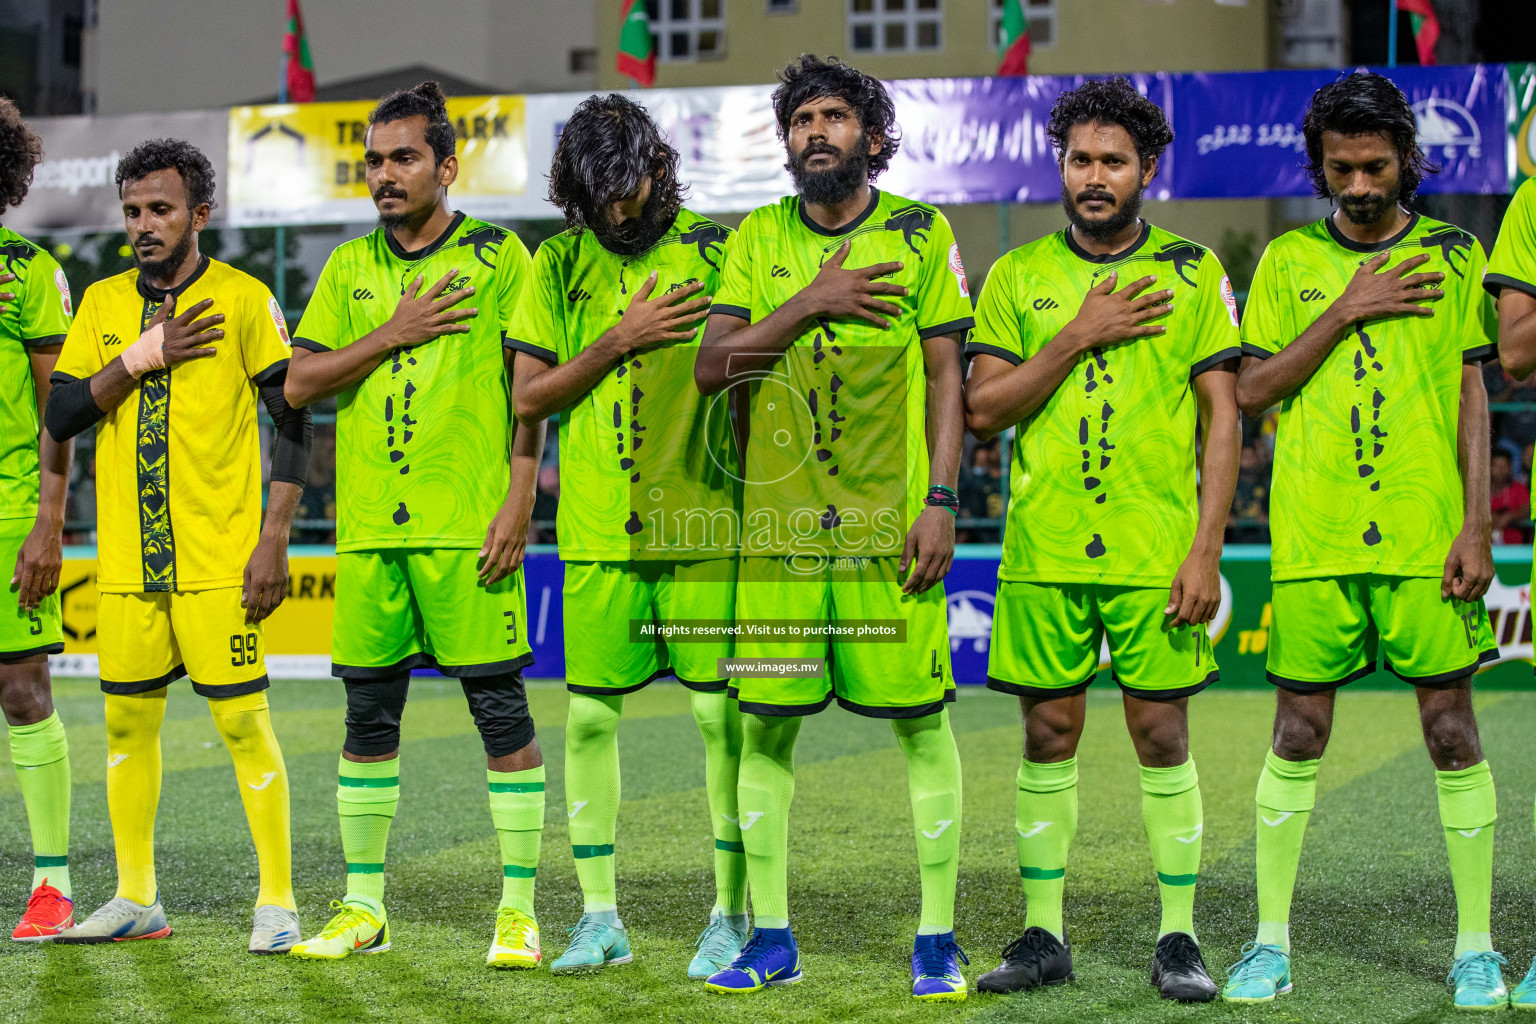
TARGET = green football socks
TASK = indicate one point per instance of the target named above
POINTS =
(933, 781)
(1287, 791)
(592, 796)
(40, 753)
(1467, 814)
(1046, 823)
(766, 789)
(366, 798)
(719, 721)
(517, 810)
(1174, 821)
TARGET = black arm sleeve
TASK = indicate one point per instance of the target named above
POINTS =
(71, 407)
(295, 432)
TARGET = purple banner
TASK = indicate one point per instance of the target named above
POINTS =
(1238, 134)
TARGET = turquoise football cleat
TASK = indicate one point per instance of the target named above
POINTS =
(1524, 995)
(1478, 983)
(718, 946)
(1263, 973)
(769, 960)
(936, 976)
(593, 946)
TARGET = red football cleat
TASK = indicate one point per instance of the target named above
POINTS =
(49, 912)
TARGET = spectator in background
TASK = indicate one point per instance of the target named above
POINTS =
(1510, 499)
(1518, 426)
(981, 491)
(1249, 522)
(318, 502)
(545, 500)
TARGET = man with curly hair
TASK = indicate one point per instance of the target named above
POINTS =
(1111, 347)
(842, 309)
(611, 321)
(166, 361)
(1369, 328)
(35, 314)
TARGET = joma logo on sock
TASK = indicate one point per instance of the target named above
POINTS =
(944, 823)
(576, 808)
(266, 780)
(1040, 826)
(750, 818)
(116, 759)
(1281, 820)
(1199, 831)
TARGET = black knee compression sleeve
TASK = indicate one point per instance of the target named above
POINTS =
(501, 713)
(374, 707)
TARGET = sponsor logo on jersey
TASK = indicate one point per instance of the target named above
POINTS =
(1043, 304)
(62, 284)
(577, 295)
(778, 271)
(110, 339)
(361, 294)
(958, 269)
(1229, 298)
(1310, 295)
(276, 312)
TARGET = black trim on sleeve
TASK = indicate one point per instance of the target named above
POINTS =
(1255, 351)
(1480, 355)
(272, 375)
(741, 312)
(961, 327)
(71, 408)
(1213, 362)
(311, 346)
(977, 348)
(1496, 282)
(537, 351)
(44, 342)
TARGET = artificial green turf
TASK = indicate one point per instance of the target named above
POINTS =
(1372, 927)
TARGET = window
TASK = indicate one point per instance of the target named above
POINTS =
(73, 27)
(689, 30)
(583, 60)
(1042, 23)
(895, 26)
(783, 6)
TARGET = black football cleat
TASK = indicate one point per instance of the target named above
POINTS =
(1178, 970)
(1033, 959)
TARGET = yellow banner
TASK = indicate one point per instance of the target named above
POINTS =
(302, 163)
(301, 624)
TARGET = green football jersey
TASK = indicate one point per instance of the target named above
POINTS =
(837, 454)
(1365, 477)
(1102, 485)
(40, 315)
(648, 465)
(1512, 264)
(423, 443)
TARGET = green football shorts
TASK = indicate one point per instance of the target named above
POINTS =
(408, 608)
(906, 679)
(1047, 637)
(23, 633)
(606, 600)
(1326, 632)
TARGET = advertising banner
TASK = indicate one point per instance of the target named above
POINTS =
(1522, 124)
(74, 187)
(298, 635)
(302, 163)
(1239, 134)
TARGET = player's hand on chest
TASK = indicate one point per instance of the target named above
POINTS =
(860, 279)
(433, 302)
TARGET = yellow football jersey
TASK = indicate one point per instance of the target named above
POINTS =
(178, 462)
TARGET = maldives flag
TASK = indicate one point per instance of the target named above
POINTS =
(1426, 27)
(637, 46)
(1013, 39)
(300, 70)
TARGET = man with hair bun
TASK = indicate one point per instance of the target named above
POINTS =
(1369, 328)
(187, 567)
(435, 485)
(1111, 346)
(34, 475)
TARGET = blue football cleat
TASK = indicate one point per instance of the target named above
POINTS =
(771, 958)
(936, 976)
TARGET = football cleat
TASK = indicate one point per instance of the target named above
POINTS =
(770, 959)
(49, 912)
(718, 945)
(354, 929)
(1523, 997)
(1033, 959)
(1178, 970)
(119, 920)
(275, 930)
(936, 976)
(516, 944)
(1478, 982)
(593, 946)
(1263, 973)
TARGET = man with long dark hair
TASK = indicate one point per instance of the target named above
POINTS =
(647, 524)
(1111, 346)
(35, 315)
(842, 309)
(435, 487)
(1370, 327)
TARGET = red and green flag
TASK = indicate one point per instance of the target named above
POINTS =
(1426, 27)
(299, 71)
(637, 45)
(1013, 39)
